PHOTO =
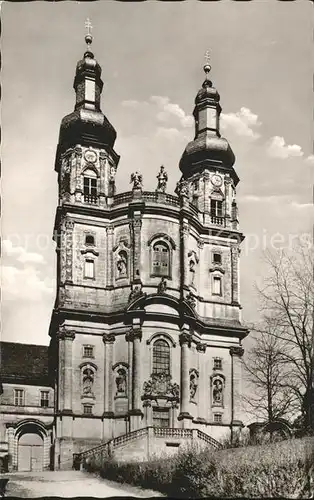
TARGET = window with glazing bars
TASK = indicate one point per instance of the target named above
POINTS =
(19, 397)
(90, 189)
(161, 260)
(216, 208)
(44, 399)
(161, 417)
(161, 357)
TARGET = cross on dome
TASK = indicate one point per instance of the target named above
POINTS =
(88, 36)
(207, 66)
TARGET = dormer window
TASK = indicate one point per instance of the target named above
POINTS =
(90, 186)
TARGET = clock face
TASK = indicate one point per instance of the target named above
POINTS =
(216, 180)
(90, 156)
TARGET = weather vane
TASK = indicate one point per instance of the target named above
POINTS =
(207, 66)
(88, 36)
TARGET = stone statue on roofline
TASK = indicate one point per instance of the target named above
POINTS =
(162, 178)
(137, 180)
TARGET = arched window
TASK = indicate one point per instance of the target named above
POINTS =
(161, 259)
(90, 186)
(161, 357)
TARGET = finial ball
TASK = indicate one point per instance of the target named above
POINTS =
(88, 39)
(207, 68)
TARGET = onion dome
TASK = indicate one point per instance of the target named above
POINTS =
(87, 125)
(208, 147)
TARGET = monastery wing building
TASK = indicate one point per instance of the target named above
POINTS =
(146, 331)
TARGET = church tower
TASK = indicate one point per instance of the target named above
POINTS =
(146, 330)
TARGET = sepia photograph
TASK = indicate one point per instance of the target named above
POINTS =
(157, 274)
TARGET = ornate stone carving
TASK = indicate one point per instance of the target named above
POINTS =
(162, 286)
(236, 351)
(121, 382)
(108, 338)
(137, 180)
(190, 300)
(201, 347)
(194, 375)
(162, 178)
(136, 292)
(182, 188)
(185, 338)
(160, 385)
(63, 334)
(217, 390)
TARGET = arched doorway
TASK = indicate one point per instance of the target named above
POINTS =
(30, 451)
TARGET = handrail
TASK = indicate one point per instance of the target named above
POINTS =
(158, 432)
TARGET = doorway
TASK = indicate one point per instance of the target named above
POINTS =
(30, 452)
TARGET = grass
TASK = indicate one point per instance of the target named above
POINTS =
(282, 469)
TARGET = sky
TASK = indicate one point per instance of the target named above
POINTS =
(152, 55)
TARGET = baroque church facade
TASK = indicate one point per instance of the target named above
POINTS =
(146, 328)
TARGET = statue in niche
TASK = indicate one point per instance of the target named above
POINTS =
(122, 264)
(135, 293)
(88, 380)
(192, 271)
(193, 385)
(162, 286)
(137, 180)
(121, 382)
(217, 391)
(162, 178)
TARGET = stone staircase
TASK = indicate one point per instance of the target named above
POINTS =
(146, 443)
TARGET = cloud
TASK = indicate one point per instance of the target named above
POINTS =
(301, 206)
(277, 148)
(310, 159)
(168, 133)
(24, 284)
(21, 254)
(170, 110)
(242, 123)
(250, 198)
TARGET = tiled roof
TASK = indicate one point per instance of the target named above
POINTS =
(24, 363)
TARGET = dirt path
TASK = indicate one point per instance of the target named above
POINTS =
(68, 484)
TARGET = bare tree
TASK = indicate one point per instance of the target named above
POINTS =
(288, 305)
(267, 374)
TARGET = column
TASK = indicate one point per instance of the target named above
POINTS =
(110, 233)
(66, 337)
(184, 261)
(228, 199)
(129, 339)
(136, 225)
(136, 412)
(11, 448)
(185, 343)
(207, 189)
(103, 182)
(234, 274)
(203, 389)
(236, 353)
(77, 163)
(108, 414)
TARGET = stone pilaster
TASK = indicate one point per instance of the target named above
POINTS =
(103, 181)
(207, 190)
(66, 251)
(135, 227)
(184, 261)
(236, 353)
(185, 343)
(110, 265)
(228, 182)
(108, 340)
(129, 339)
(203, 390)
(11, 447)
(66, 337)
(78, 174)
(136, 412)
(234, 274)
(108, 414)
